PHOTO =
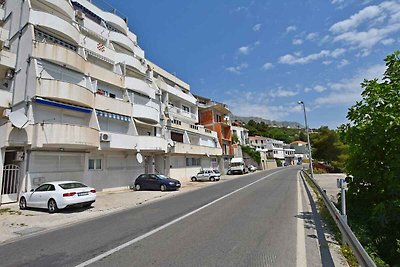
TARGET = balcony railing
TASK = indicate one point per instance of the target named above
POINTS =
(135, 142)
(65, 92)
(182, 112)
(65, 136)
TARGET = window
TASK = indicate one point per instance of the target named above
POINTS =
(95, 164)
(193, 162)
(42, 188)
(51, 188)
(177, 137)
(219, 118)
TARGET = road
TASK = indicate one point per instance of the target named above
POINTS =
(262, 219)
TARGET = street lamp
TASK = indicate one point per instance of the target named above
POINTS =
(308, 137)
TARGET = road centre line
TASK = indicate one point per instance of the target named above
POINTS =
(139, 238)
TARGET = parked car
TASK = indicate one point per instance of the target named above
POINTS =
(209, 175)
(252, 168)
(58, 195)
(156, 182)
(323, 166)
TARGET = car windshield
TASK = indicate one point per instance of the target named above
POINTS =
(216, 171)
(72, 185)
(163, 177)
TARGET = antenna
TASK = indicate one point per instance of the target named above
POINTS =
(18, 119)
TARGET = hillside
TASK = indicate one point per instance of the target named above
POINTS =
(284, 124)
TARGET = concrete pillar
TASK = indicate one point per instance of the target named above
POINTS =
(2, 159)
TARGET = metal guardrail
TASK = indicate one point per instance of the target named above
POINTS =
(359, 252)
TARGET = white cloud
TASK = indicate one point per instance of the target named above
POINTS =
(291, 28)
(370, 26)
(282, 93)
(245, 50)
(355, 20)
(296, 59)
(338, 52)
(237, 69)
(343, 62)
(317, 88)
(297, 42)
(257, 27)
(268, 66)
(257, 43)
(388, 41)
(327, 62)
(348, 91)
(248, 103)
(312, 36)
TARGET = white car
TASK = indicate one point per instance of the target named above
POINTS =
(58, 195)
(210, 175)
(252, 168)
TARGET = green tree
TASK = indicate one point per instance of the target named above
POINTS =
(235, 138)
(373, 137)
(327, 146)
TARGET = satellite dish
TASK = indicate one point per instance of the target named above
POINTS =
(139, 157)
(18, 119)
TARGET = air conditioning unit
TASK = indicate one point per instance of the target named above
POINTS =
(79, 15)
(105, 137)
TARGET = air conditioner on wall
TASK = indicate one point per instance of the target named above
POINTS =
(105, 137)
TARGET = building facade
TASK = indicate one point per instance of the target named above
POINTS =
(214, 116)
(85, 104)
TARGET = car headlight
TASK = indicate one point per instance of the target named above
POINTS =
(171, 183)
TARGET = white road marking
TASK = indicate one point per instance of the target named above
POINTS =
(139, 238)
(301, 259)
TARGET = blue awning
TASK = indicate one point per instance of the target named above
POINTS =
(57, 104)
(112, 116)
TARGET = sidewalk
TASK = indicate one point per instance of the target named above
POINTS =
(15, 223)
(327, 182)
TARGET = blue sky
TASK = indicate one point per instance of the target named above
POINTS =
(261, 57)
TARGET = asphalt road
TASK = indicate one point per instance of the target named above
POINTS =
(250, 221)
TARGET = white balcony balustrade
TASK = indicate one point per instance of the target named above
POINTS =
(65, 136)
(135, 142)
(62, 6)
(139, 86)
(53, 23)
(65, 92)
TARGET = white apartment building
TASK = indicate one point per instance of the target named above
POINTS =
(241, 132)
(79, 100)
(289, 154)
(273, 148)
(191, 146)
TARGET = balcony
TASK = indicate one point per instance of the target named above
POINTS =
(146, 113)
(111, 18)
(113, 105)
(7, 59)
(135, 142)
(5, 99)
(105, 75)
(131, 61)
(200, 129)
(139, 52)
(181, 148)
(55, 24)
(139, 86)
(177, 92)
(61, 6)
(122, 40)
(65, 92)
(3, 35)
(65, 136)
(60, 55)
(183, 113)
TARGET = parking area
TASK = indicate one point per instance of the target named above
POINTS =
(17, 223)
(327, 182)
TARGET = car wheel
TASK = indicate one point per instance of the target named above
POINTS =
(22, 203)
(212, 179)
(163, 187)
(137, 187)
(52, 206)
(194, 179)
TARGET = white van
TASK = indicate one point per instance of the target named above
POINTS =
(237, 165)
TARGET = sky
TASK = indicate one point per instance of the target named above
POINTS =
(262, 57)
